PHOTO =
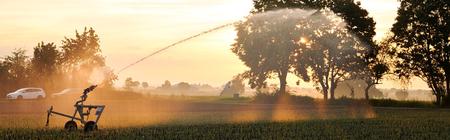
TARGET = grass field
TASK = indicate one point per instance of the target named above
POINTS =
(140, 119)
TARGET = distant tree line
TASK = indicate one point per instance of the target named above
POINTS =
(320, 50)
(54, 67)
(131, 84)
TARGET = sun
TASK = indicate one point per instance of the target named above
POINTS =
(304, 40)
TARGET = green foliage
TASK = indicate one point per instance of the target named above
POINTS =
(396, 103)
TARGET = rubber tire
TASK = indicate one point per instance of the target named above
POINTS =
(19, 98)
(90, 126)
(70, 126)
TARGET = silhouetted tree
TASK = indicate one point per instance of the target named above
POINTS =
(333, 53)
(5, 77)
(109, 78)
(238, 84)
(351, 88)
(356, 89)
(235, 86)
(50, 68)
(130, 84)
(373, 69)
(183, 86)
(18, 68)
(144, 84)
(80, 55)
(422, 44)
(166, 85)
(358, 24)
(266, 44)
(45, 64)
(363, 27)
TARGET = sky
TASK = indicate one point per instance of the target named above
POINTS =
(131, 29)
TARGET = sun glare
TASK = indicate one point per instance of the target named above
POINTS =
(303, 40)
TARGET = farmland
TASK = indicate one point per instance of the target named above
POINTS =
(212, 119)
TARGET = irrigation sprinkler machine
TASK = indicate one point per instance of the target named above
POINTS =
(83, 111)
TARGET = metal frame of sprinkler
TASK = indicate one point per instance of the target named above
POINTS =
(83, 112)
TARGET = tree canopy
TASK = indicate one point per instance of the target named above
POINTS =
(45, 63)
(275, 45)
(332, 53)
(421, 43)
(54, 67)
(267, 43)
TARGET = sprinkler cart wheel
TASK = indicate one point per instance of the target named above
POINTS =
(90, 126)
(70, 126)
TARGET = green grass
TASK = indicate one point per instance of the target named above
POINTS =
(328, 129)
(395, 103)
(348, 122)
(388, 124)
(304, 100)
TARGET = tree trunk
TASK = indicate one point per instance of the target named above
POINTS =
(282, 76)
(366, 91)
(447, 87)
(332, 89)
(352, 90)
(438, 99)
(325, 94)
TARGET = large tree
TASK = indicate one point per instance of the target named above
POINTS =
(81, 55)
(5, 77)
(422, 43)
(333, 54)
(17, 66)
(358, 24)
(44, 65)
(267, 44)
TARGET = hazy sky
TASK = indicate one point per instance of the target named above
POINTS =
(131, 29)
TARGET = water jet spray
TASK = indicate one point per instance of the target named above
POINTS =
(178, 42)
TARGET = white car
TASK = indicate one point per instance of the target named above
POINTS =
(68, 92)
(27, 93)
